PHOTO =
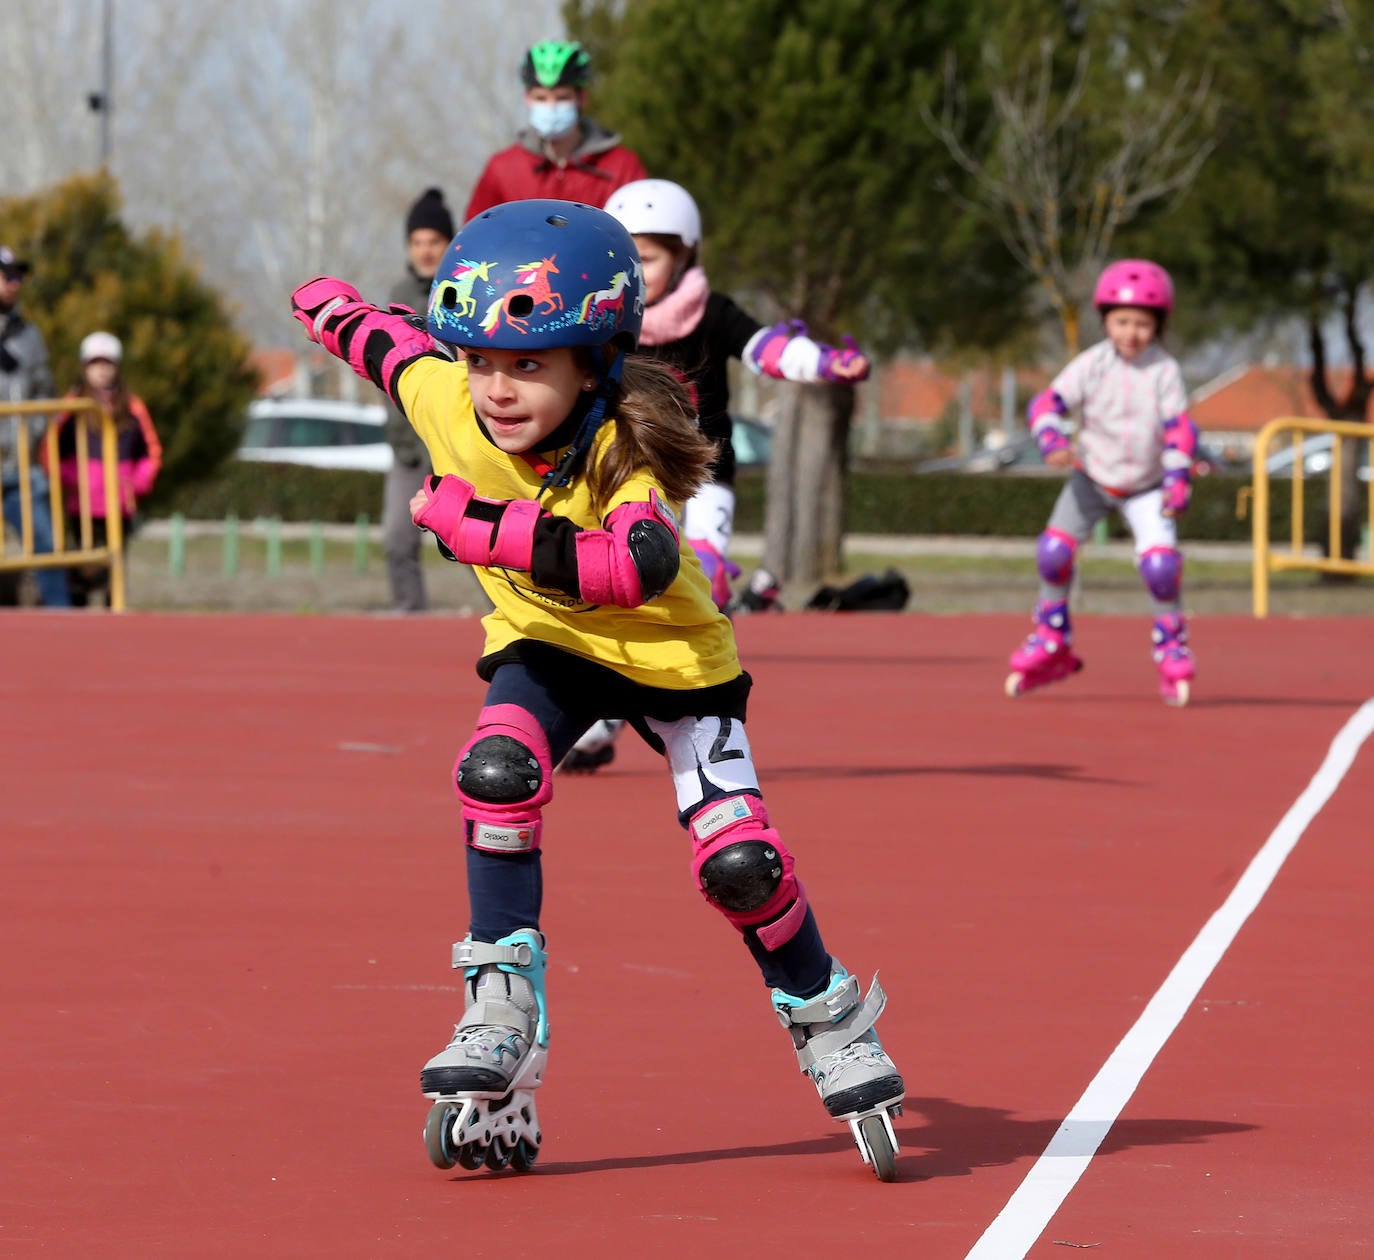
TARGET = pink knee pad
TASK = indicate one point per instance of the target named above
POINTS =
(745, 871)
(504, 777)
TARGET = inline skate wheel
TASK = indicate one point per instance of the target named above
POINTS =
(472, 1156)
(438, 1127)
(1015, 684)
(523, 1157)
(880, 1152)
(1180, 696)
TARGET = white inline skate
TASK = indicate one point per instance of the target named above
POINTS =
(838, 1048)
(483, 1081)
(595, 748)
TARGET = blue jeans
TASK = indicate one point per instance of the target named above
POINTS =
(52, 583)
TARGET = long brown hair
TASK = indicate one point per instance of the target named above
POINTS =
(656, 428)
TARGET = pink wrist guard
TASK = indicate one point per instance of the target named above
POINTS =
(1178, 491)
(831, 357)
(633, 560)
(329, 309)
(501, 538)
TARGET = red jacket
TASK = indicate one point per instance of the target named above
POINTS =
(593, 171)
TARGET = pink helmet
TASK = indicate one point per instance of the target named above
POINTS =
(1135, 282)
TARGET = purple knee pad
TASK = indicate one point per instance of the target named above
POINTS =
(1054, 555)
(743, 869)
(504, 777)
(1162, 569)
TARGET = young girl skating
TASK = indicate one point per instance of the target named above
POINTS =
(1135, 453)
(558, 462)
(698, 331)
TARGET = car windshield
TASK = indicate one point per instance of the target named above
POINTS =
(304, 431)
(258, 431)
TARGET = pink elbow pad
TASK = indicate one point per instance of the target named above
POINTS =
(768, 345)
(1044, 413)
(1046, 403)
(1180, 442)
(631, 561)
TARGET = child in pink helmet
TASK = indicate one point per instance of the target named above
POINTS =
(1134, 454)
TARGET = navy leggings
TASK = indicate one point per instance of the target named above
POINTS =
(506, 890)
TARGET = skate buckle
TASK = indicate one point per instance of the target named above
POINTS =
(470, 953)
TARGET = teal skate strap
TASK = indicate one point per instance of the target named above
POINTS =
(836, 1002)
(826, 1035)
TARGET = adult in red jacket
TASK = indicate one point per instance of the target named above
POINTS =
(561, 153)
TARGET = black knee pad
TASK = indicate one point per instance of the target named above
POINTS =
(743, 876)
(499, 770)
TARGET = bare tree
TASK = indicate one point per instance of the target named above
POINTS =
(277, 139)
(46, 113)
(1061, 183)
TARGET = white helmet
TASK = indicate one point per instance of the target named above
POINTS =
(657, 207)
(101, 345)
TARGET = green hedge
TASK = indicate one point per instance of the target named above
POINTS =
(290, 491)
(892, 502)
(902, 502)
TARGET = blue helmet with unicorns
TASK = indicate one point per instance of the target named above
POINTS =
(535, 275)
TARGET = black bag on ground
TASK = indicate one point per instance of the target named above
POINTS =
(885, 592)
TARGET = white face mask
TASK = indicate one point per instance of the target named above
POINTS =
(553, 118)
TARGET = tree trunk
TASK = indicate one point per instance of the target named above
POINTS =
(1068, 321)
(804, 515)
(780, 487)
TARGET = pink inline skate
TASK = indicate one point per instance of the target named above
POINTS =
(1046, 656)
(1175, 661)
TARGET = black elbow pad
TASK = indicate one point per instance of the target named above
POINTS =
(653, 550)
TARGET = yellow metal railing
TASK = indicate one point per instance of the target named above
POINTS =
(84, 413)
(1267, 560)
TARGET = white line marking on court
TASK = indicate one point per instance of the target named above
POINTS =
(1030, 1209)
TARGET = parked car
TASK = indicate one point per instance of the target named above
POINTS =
(997, 454)
(317, 432)
(753, 442)
(1316, 457)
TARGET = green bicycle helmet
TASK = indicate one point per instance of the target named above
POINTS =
(556, 63)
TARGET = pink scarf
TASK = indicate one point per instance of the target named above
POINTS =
(676, 313)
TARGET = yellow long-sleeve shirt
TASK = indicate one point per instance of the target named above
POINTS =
(679, 641)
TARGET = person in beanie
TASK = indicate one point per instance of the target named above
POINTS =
(429, 228)
(24, 376)
(562, 153)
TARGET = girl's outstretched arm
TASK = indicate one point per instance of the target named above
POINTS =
(1180, 449)
(377, 345)
(1046, 417)
(631, 560)
(786, 353)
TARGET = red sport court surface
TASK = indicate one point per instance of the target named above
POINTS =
(232, 874)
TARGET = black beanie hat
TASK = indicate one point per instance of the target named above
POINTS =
(431, 212)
